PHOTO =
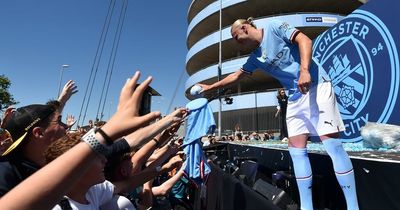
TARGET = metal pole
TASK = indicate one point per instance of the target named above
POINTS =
(61, 75)
(255, 97)
(220, 69)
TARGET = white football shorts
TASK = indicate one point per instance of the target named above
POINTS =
(315, 113)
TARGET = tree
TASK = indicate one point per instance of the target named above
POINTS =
(6, 99)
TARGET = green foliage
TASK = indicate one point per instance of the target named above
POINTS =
(6, 99)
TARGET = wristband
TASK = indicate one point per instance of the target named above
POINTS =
(109, 141)
(90, 139)
(120, 147)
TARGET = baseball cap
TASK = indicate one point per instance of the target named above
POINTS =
(20, 122)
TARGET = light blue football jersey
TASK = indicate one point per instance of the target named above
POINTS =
(280, 58)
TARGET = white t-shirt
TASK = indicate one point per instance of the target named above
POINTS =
(118, 203)
(97, 195)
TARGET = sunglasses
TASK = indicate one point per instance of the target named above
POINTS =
(57, 121)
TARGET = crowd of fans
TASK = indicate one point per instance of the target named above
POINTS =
(129, 162)
(240, 136)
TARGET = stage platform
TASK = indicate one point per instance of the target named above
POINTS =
(377, 172)
(355, 150)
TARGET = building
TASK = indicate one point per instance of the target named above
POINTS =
(254, 102)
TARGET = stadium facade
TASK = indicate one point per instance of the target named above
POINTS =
(254, 102)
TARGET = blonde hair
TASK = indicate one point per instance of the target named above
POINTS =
(239, 22)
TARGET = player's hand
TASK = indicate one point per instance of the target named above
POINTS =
(304, 82)
(204, 87)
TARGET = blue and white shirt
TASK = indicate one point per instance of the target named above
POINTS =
(279, 56)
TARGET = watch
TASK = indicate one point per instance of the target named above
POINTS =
(90, 139)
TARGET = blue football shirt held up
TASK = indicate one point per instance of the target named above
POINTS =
(200, 122)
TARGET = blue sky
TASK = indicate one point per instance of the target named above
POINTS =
(38, 37)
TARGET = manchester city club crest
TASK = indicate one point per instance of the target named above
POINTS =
(360, 56)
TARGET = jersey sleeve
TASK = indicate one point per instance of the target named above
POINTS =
(284, 30)
(249, 66)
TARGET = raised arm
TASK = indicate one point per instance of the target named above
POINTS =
(161, 155)
(69, 89)
(165, 187)
(145, 175)
(40, 192)
(143, 135)
(141, 156)
(230, 79)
